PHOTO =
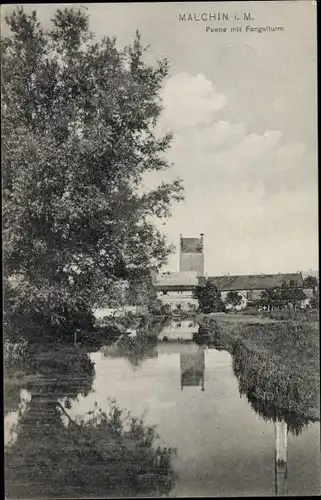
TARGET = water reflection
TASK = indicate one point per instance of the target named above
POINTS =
(12, 391)
(222, 443)
(184, 330)
(135, 349)
(193, 369)
(12, 419)
(52, 454)
(277, 396)
(38, 437)
(276, 392)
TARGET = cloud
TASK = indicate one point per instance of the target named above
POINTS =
(189, 101)
(251, 194)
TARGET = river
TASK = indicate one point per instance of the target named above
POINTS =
(191, 394)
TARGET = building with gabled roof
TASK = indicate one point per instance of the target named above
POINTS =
(178, 287)
(250, 287)
(254, 282)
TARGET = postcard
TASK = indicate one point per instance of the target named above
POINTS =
(160, 248)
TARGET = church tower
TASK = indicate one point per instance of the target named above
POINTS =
(191, 257)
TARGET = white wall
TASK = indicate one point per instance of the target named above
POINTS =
(174, 298)
(183, 330)
(107, 311)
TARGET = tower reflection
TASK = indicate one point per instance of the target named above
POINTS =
(193, 369)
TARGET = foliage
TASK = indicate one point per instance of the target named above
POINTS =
(116, 296)
(156, 308)
(287, 293)
(38, 314)
(277, 365)
(138, 291)
(234, 298)
(311, 282)
(166, 309)
(141, 292)
(60, 372)
(209, 298)
(212, 334)
(78, 136)
(287, 314)
(15, 357)
(270, 298)
(314, 303)
(291, 294)
(252, 309)
(274, 384)
(53, 373)
(136, 349)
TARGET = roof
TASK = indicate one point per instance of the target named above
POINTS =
(175, 288)
(191, 245)
(177, 280)
(254, 282)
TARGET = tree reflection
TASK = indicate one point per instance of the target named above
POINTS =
(97, 455)
(135, 350)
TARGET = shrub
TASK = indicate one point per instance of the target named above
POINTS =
(209, 298)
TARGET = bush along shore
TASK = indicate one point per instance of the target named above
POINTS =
(277, 366)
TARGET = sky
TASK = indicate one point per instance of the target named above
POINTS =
(243, 110)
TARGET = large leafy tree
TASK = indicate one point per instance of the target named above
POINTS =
(233, 298)
(311, 282)
(290, 293)
(209, 298)
(270, 298)
(287, 293)
(78, 135)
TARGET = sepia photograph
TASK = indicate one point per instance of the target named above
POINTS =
(160, 250)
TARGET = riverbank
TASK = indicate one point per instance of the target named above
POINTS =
(280, 358)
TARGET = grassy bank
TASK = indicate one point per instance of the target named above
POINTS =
(276, 363)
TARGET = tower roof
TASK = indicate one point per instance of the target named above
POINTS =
(191, 245)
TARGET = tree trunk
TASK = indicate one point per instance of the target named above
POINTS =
(281, 448)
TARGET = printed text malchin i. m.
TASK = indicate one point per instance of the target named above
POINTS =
(214, 16)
